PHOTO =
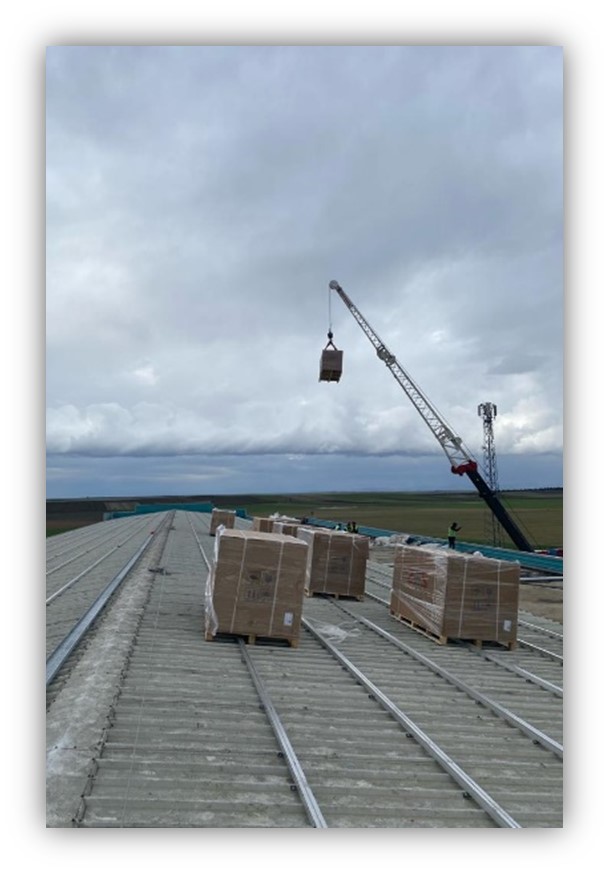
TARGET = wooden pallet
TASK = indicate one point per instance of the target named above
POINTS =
(438, 638)
(442, 639)
(335, 595)
(249, 638)
(509, 645)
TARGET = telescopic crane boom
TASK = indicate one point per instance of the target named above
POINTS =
(460, 458)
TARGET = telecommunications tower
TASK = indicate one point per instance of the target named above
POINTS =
(488, 412)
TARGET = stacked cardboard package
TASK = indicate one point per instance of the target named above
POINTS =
(255, 586)
(221, 517)
(290, 528)
(336, 563)
(262, 523)
(454, 595)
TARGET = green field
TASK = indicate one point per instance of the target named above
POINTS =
(538, 513)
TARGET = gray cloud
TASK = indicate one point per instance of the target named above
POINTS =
(199, 200)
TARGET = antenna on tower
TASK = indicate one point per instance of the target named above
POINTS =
(488, 413)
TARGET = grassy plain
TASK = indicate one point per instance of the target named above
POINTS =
(538, 513)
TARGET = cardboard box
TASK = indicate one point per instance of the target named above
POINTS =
(337, 562)
(456, 595)
(289, 528)
(221, 517)
(262, 523)
(255, 586)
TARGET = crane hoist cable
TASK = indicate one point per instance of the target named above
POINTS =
(330, 332)
(331, 363)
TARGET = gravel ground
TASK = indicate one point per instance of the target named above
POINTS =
(541, 601)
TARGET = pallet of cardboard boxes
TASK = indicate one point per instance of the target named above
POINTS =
(282, 524)
(449, 594)
(262, 523)
(336, 562)
(221, 517)
(255, 586)
(286, 527)
(276, 523)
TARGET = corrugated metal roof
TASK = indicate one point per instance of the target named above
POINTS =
(151, 725)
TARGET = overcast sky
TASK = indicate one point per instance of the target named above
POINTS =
(201, 198)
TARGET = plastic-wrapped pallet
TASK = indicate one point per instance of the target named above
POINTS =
(221, 517)
(337, 562)
(290, 528)
(284, 524)
(455, 595)
(255, 586)
(262, 523)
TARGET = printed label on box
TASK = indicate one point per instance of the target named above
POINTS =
(288, 618)
(259, 585)
(507, 625)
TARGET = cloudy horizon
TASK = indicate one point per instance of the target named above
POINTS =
(201, 198)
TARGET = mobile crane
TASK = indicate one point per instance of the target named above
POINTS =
(461, 459)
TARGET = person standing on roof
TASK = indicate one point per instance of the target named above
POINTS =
(452, 535)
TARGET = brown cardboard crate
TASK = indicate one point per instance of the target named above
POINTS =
(290, 528)
(337, 562)
(255, 586)
(455, 595)
(221, 517)
(262, 523)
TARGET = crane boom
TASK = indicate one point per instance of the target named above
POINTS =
(461, 459)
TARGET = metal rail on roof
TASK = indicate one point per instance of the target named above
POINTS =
(541, 650)
(473, 789)
(516, 669)
(304, 790)
(73, 638)
(511, 718)
(533, 678)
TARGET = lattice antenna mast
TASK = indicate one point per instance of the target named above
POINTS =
(488, 413)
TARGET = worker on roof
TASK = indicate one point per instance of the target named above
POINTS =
(452, 535)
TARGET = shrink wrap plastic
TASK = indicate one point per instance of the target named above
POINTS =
(255, 584)
(337, 633)
(279, 517)
(452, 594)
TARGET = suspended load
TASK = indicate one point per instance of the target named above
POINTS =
(331, 363)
